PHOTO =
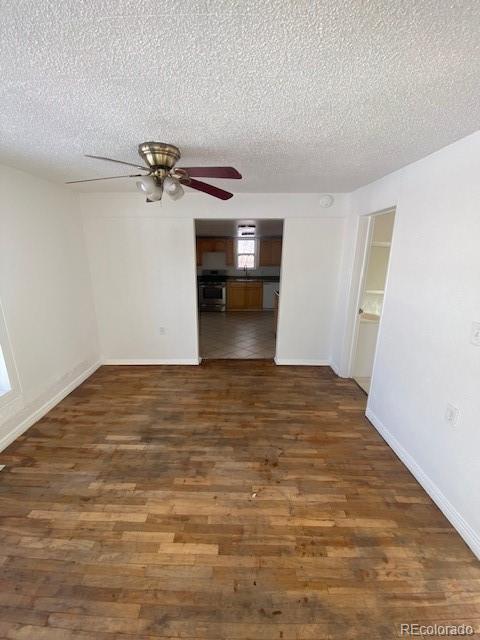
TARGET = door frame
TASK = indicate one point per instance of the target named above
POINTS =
(195, 266)
(364, 238)
(15, 390)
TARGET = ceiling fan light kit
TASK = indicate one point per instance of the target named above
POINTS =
(162, 175)
(173, 187)
(146, 184)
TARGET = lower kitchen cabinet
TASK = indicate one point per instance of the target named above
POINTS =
(235, 296)
(244, 296)
(254, 296)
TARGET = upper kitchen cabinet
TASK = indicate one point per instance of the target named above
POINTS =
(230, 252)
(223, 245)
(270, 252)
(200, 248)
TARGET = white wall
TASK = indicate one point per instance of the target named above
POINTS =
(143, 270)
(45, 294)
(424, 356)
(144, 280)
(312, 250)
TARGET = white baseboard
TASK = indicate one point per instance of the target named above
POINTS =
(147, 361)
(471, 537)
(335, 369)
(34, 414)
(301, 363)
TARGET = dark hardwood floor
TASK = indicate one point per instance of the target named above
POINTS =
(232, 501)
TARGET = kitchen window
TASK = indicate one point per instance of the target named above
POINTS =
(246, 253)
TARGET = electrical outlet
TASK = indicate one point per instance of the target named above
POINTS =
(451, 415)
(161, 331)
(475, 334)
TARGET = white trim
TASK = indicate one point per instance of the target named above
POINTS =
(336, 369)
(357, 275)
(35, 416)
(195, 287)
(15, 390)
(147, 361)
(364, 235)
(470, 536)
(302, 363)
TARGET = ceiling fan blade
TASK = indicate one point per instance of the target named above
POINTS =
(212, 172)
(135, 175)
(207, 188)
(129, 164)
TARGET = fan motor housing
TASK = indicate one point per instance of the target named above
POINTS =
(159, 154)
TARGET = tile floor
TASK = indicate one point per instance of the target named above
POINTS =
(237, 334)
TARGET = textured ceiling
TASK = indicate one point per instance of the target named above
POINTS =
(299, 95)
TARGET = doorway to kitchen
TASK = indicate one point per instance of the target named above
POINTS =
(238, 279)
(371, 296)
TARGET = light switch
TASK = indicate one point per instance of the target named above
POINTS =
(475, 334)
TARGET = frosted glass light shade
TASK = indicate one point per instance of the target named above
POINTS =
(155, 195)
(173, 187)
(147, 184)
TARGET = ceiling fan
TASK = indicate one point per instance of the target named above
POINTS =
(162, 175)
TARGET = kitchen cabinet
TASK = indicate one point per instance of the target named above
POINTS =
(235, 296)
(270, 252)
(229, 252)
(223, 245)
(218, 244)
(203, 245)
(244, 295)
(276, 244)
(254, 295)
